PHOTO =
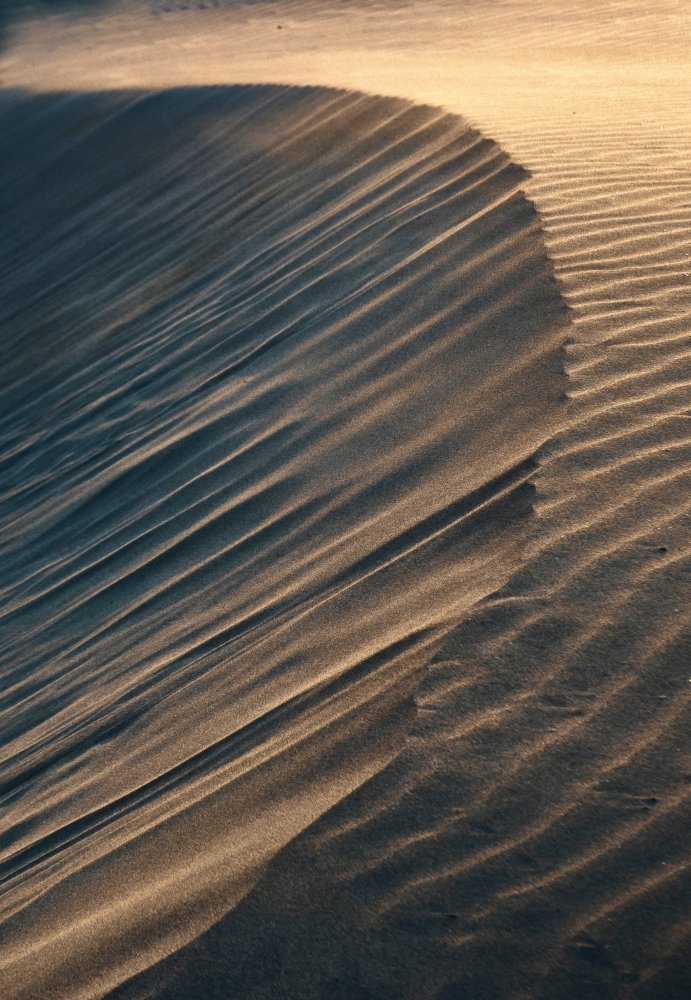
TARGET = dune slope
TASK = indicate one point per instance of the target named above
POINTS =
(278, 365)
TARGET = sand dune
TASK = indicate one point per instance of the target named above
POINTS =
(342, 656)
(254, 467)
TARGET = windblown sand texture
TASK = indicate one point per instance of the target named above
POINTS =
(344, 502)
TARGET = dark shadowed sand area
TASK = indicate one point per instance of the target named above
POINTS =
(344, 501)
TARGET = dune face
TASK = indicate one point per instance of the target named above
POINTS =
(278, 364)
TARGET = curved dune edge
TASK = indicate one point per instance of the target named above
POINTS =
(295, 351)
(545, 852)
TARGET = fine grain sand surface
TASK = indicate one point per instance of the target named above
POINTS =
(344, 501)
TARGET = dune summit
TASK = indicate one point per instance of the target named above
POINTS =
(278, 365)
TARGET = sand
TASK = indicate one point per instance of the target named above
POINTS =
(344, 511)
